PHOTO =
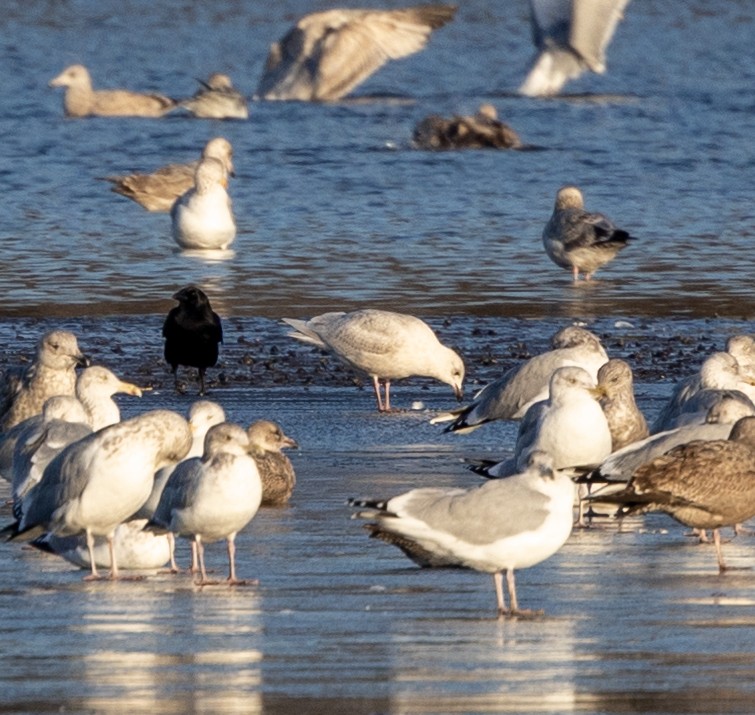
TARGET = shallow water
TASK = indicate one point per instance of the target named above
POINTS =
(335, 211)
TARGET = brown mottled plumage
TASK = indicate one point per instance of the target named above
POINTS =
(482, 130)
(276, 471)
(625, 421)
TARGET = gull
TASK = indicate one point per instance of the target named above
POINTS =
(625, 421)
(192, 333)
(81, 100)
(326, 54)
(213, 497)
(51, 373)
(384, 345)
(501, 526)
(202, 218)
(217, 99)
(571, 37)
(719, 375)
(578, 240)
(482, 130)
(570, 426)
(267, 441)
(701, 484)
(159, 190)
(135, 549)
(98, 482)
(511, 395)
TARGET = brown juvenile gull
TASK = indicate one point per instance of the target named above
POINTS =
(97, 483)
(213, 497)
(52, 373)
(217, 99)
(482, 130)
(704, 485)
(202, 218)
(720, 375)
(570, 426)
(511, 395)
(571, 37)
(81, 100)
(159, 190)
(625, 421)
(193, 333)
(267, 441)
(384, 345)
(501, 526)
(326, 54)
(578, 240)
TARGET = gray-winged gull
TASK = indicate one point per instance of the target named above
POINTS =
(580, 241)
(384, 345)
(98, 482)
(217, 98)
(213, 497)
(326, 54)
(501, 526)
(571, 37)
(511, 395)
(25, 390)
(159, 190)
(704, 485)
(267, 440)
(202, 218)
(625, 420)
(81, 100)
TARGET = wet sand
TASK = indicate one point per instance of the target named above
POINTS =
(635, 621)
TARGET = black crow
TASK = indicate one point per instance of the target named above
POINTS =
(192, 333)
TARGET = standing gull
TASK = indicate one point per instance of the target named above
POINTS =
(192, 333)
(578, 240)
(625, 421)
(97, 483)
(511, 395)
(217, 99)
(499, 527)
(267, 442)
(81, 100)
(159, 190)
(326, 54)
(384, 345)
(703, 485)
(571, 37)
(52, 373)
(213, 497)
(202, 218)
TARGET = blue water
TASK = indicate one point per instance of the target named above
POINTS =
(337, 210)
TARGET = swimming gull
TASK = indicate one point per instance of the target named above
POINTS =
(511, 395)
(482, 130)
(135, 549)
(326, 54)
(267, 441)
(571, 37)
(81, 100)
(720, 375)
(578, 240)
(52, 372)
(98, 482)
(625, 421)
(384, 345)
(217, 99)
(702, 484)
(213, 497)
(498, 527)
(159, 190)
(570, 426)
(192, 333)
(202, 218)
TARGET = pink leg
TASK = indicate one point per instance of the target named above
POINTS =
(575, 274)
(376, 387)
(113, 562)
(231, 559)
(94, 575)
(387, 395)
(719, 554)
(498, 582)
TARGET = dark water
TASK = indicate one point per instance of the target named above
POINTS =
(336, 210)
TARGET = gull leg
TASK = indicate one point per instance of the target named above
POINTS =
(231, 559)
(376, 387)
(575, 274)
(172, 548)
(113, 562)
(94, 575)
(515, 610)
(717, 542)
(498, 583)
(194, 557)
(387, 395)
(201, 371)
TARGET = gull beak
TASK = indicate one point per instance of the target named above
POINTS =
(458, 392)
(129, 389)
(598, 391)
(224, 182)
(288, 442)
(82, 360)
